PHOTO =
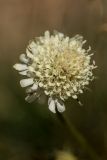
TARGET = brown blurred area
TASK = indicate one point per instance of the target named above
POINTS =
(30, 131)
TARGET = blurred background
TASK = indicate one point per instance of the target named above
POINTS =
(31, 131)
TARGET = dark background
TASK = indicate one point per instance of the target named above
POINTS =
(31, 131)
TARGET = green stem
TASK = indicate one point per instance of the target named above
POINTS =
(77, 135)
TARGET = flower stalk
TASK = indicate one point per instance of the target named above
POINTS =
(77, 136)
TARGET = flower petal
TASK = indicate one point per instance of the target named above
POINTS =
(74, 96)
(29, 54)
(31, 98)
(35, 51)
(34, 87)
(40, 84)
(23, 58)
(23, 72)
(47, 34)
(60, 106)
(26, 82)
(51, 104)
(20, 67)
(46, 92)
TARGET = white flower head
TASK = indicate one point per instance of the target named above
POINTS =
(57, 66)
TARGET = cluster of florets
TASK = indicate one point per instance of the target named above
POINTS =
(57, 66)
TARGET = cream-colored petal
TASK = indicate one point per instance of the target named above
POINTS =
(20, 67)
(26, 82)
(51, 105)
(60, 106)
(40, 84)
(29, 54)
(74, 96)
(31, 98)
(68, 93)
(23, 72)
(46, 92)
(35, 51)
(75, 88)
(23, 58)
(47, 34)
(34, 87)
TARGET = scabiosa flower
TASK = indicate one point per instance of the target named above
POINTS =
(57, 66)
